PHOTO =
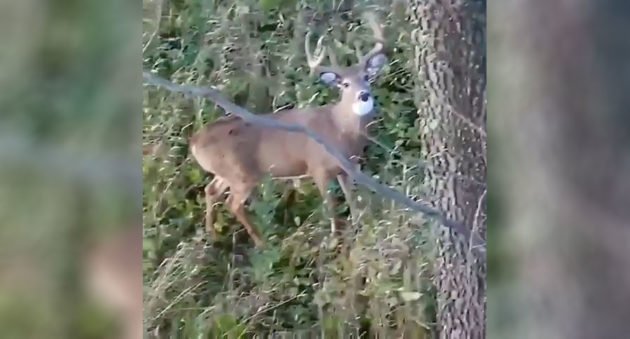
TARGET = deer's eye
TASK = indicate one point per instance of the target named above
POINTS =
(345, 84)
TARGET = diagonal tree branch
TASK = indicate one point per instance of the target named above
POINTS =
(358, 176)
(18, 152)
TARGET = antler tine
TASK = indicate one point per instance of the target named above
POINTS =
(379, 36)
(315, 62)
(333, 59)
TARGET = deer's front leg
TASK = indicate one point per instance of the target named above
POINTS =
(347, 185)
(322, 180)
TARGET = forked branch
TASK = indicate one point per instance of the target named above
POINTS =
(359, 177)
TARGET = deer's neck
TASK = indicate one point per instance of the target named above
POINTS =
(349, 122)
(352, 126)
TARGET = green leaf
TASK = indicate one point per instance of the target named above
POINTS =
(268, 5)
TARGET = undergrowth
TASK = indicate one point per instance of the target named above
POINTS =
(301, 285)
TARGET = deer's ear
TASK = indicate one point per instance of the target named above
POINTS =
(329, 78)
(374, 64)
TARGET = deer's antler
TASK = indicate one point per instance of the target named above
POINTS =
(315, 62)
(379, 36)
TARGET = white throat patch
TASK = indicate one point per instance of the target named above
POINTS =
(362, 108)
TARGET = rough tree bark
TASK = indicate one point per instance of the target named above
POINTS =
(450, 61)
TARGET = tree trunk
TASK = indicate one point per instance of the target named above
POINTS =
(450, 64)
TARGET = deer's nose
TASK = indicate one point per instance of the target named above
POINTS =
(364, 96)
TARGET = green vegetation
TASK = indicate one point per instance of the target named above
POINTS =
(301, 285)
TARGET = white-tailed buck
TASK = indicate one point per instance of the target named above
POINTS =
(240, 154)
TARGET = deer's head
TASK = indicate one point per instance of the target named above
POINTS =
(353, 81)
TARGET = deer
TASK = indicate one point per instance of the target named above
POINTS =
(240, 154)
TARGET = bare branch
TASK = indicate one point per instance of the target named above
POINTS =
(348, 167)
(476, 218)
(470, 123)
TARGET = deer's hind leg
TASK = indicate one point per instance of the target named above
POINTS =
(214, 194)
(238, 196)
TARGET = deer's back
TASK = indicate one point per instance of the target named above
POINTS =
(344, 135)
(231, 147)
(226, 146)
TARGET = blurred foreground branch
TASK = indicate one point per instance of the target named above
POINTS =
(560, 120)
(358, 176)
(92, 168)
